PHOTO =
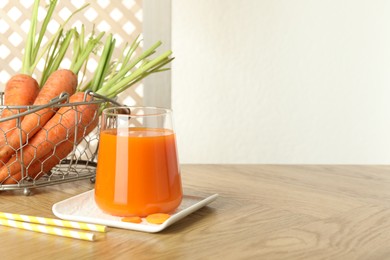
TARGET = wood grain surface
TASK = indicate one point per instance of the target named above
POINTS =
(263, 212)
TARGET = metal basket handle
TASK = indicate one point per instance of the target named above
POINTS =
(93, 94)
(125, 110)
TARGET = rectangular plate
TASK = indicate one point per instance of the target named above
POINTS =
(83, 208)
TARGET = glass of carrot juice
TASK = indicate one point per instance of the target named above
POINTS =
(137, 171)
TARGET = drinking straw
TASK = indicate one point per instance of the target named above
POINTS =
(48, 229)
(53, 222)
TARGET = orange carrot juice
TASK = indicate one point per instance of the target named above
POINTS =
(137, 172)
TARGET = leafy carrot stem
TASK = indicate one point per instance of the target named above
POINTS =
(45, 48)
(54, 60)
(127, 81)
(103, 65)
(42, 31)
(83, 54)
(27, 57)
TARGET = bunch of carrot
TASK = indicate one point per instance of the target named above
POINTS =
(31, 143)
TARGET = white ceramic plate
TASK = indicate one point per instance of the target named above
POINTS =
(83, 208)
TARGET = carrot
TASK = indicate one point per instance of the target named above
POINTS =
(20, 90)
(134, 219)
(55, 138)
(39, 167)
(157, 218)
(59, 82)
(43, 165)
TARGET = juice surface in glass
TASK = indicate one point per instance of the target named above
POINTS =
(137, 172)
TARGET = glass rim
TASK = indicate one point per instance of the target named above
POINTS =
(155, 111)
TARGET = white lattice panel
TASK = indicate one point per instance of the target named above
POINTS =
(123, 18)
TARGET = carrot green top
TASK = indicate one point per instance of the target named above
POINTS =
(111, 76)
(34, 51)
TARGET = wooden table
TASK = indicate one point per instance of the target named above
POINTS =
(263, 212)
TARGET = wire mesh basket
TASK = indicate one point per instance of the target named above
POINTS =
(78, 146)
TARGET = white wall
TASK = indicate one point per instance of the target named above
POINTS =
(303, 81)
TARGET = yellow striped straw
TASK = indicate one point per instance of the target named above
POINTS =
(54, 222)
(48, 229)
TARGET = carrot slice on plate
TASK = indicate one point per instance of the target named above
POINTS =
(134, 219)
(157, 218)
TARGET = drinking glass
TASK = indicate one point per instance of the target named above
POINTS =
(138, 170)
